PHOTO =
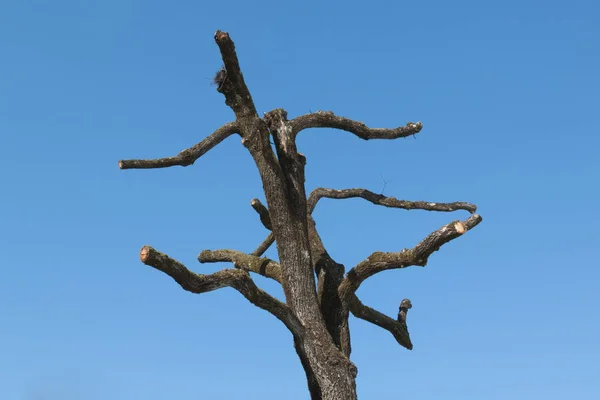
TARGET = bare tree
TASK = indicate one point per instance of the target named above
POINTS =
(319, 294)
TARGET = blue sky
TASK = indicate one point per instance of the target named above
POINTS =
(508, 95)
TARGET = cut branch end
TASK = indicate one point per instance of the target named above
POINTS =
(145, 254)
(220, 35)
(460, 227)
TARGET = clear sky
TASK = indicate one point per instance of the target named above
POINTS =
(508, 96)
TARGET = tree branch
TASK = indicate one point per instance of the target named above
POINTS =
(187, 156)
(417, 256)
(235, 278)
(405, 305)
(265, 219)
(247, 262)
(396, 327)
(327, 119)
(231, 83)
(262, 211)
(379, 199)
(264, 246)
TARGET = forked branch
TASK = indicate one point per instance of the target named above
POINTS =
(327, 119)
(238, 279)
(187, 156)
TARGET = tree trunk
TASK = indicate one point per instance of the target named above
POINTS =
(329, 377)
(282, 176)
(330, 373)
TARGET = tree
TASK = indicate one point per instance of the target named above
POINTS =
(319, 294)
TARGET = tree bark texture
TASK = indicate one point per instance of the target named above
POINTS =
(319, 294)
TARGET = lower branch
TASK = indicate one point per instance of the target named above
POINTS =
(235, 278)
(418, 255)
(396, 327)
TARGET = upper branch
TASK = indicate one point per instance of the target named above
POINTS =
(187, 156)
(396, 327)
(235, 278)
(231, 81)
(418, 255)
(382, 200)
(327, 119)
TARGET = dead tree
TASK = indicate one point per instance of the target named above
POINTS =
(319, 294)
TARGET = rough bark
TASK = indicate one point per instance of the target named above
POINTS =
(319, 294)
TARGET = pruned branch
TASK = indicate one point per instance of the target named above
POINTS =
(416, 256)
(405, 305)
(232, 85)
(187, 156)
(265, 219)
(188, 280)
(396, 327)
(235, 278)
(385, 201)
(327, 119)
(247, 262)
(262, 211)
